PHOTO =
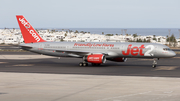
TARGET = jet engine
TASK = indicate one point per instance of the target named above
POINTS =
(119, 59)
(95, 58)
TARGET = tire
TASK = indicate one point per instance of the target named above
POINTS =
(80, 64)
(84, 64)
(154, 66)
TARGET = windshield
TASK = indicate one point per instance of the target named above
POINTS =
(166, 49)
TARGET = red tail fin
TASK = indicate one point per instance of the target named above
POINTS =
(29, 34)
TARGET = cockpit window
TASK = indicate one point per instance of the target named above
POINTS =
(166, 49)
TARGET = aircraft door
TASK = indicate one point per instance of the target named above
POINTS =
(156, 49)
(122, 48)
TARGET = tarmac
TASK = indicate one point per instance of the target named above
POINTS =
(28, 76)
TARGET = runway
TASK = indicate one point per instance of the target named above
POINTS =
(9, 47)
(29, 76)
(169, 67)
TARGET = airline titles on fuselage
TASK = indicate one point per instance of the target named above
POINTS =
(134, 50)
(94, 45)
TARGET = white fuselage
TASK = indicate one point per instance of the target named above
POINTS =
(110, 49)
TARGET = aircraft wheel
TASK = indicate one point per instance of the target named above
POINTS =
(80, 64)
(85, 64)
(154, 66)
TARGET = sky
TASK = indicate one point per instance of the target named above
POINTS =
(92, 13)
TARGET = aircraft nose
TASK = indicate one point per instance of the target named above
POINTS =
(172, 54)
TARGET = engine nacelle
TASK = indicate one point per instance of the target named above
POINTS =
(119, 59)
(95, 58)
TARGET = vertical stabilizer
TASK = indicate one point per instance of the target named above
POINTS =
(29, 34)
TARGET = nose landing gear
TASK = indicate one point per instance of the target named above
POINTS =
(155, 62)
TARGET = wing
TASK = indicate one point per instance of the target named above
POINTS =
(77, 52)
(74, 52)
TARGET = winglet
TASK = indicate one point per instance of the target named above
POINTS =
(29, 34)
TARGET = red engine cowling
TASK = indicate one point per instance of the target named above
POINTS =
(96, 58)
(119, 59)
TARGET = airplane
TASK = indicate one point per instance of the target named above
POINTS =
(95, 53)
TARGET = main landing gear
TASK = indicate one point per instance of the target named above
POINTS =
(86, 64)
(155, 62)
(83, 64)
